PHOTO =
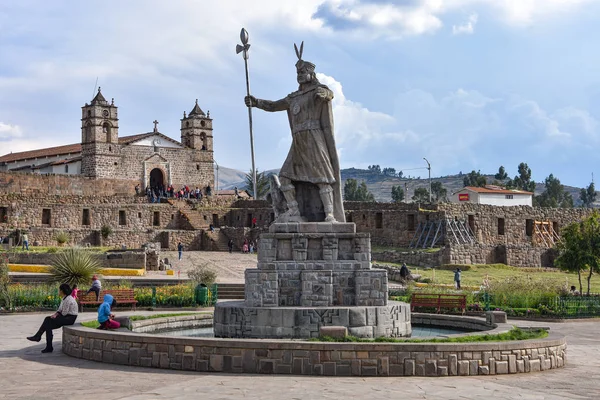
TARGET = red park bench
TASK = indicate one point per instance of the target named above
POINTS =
(439, 301)
(122, 296)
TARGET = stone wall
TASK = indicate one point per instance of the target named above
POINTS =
(413, 258)
(514, 255)
(113, 259)
(315, 358)
(36, 184)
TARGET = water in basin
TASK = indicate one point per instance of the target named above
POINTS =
(417, 332)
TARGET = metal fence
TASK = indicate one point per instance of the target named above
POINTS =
(578, 306)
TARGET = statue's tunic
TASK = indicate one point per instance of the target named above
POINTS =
(309, 158)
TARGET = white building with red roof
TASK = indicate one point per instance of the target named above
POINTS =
(492, 195)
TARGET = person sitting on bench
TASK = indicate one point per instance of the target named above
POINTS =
(105, 315)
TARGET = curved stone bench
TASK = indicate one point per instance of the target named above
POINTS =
(314, 358)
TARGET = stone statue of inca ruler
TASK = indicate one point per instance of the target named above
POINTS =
(310, 175)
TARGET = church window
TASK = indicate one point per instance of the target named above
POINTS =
(203, 124)
(106, 129)
(89, 113)
(67, 169)
(203, 139)
(187, 124)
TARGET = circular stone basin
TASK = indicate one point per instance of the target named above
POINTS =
(301, 357)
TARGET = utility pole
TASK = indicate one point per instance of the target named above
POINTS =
(429, 169)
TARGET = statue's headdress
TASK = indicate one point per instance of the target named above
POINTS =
(301, 64)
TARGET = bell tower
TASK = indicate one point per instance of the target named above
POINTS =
(99, 138)
(196, 129)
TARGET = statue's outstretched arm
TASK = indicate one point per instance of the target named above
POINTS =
(267, 105)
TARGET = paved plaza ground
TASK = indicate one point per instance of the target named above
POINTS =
(25, 373)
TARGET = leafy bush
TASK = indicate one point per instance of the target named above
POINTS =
(202, 274)
(105, 231)
(62, 238)
(52, 250)
(74, 266)
(174, 295)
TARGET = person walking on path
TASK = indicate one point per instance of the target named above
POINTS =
(25, 241)
(180, 250)
(105, 316)
(96, 287)
(230, 246)
(457, 278)
(65, 315)
(404, 272)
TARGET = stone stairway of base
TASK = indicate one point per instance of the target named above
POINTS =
(230, 291)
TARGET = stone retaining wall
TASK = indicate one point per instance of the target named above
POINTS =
(412, 258)
(125, 259)
(170, 323)
(315, 358)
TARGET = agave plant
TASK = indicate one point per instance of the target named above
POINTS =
(74, 266)
(62, 238)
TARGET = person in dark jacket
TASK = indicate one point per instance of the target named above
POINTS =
(65, 315)
(457, 278)
(180, 250)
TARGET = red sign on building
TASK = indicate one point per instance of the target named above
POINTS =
(463, 197)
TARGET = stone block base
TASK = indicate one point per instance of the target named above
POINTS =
(233, 319)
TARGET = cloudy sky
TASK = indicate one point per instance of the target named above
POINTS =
(469, 84)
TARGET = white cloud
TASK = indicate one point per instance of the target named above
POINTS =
(466, 28)
(8, 131)
(393, 21)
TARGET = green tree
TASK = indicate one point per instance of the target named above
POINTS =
(421, 195)
(523, 180)
(475, 179)
(389, 171)
(571, 255)
(262, 182)
(397, 194)
(400, 174)
(591, 245)
(438, 192)
(501, 175)
(579, 248)
(375, 168)
(555, 195)
(588, 195)
(355, 192)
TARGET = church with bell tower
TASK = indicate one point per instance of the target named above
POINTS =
(150, 159)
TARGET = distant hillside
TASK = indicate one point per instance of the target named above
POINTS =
(381, 185)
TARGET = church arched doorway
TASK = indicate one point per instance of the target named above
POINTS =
(157, 179)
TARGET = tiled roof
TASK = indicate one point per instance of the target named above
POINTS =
(47, 152)
(69, 149)
(495, 189)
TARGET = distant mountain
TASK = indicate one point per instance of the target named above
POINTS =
(381, 185)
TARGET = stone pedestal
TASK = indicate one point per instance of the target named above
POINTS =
(309, 273)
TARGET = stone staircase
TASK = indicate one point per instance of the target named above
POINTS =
(230, 291)
(219, 239)
(195, 220)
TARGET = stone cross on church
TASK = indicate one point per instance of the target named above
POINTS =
(155, 122)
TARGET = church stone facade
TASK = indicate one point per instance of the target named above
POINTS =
(150, 159)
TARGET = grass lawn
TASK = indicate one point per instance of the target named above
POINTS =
(500, 272)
